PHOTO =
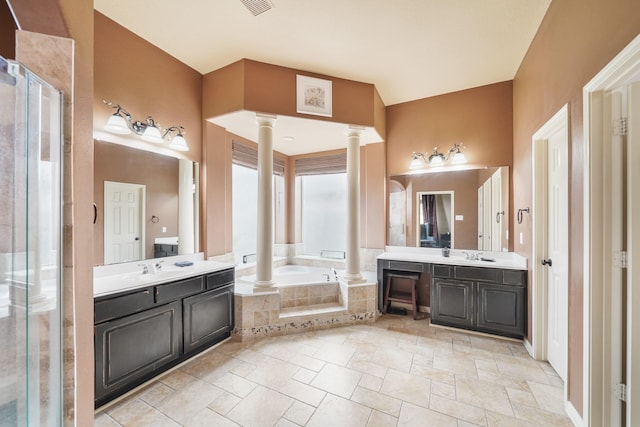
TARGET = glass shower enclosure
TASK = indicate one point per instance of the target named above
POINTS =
(30, 249)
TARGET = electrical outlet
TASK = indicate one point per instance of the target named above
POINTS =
(521, 238)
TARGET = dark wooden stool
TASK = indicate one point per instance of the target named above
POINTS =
(399, 295)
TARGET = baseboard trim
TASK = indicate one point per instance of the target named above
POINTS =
(528, 347)
(573, 414)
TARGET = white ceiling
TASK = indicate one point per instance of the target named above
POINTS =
(409, 49)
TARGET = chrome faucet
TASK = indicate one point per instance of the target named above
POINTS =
(159, 265)
(145, 268)
(335, 273)
(472, 256)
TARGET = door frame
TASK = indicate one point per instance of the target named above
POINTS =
(540, 291)
(598, 258)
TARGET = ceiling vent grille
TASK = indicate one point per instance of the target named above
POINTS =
(257, 6)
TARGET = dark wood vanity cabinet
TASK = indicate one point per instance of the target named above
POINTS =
(483, 299)
(141, 333)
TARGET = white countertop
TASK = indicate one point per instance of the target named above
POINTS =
(506, 260)
(111, 279)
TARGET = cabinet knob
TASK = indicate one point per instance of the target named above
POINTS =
(547, 262)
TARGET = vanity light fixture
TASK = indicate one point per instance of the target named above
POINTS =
(122, 123)
(455, 155)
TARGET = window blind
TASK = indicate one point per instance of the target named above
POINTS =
(321, 165)
(247, 156)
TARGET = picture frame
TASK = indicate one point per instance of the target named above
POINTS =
(314, 96)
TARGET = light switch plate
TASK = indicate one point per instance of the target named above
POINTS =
(459, 217)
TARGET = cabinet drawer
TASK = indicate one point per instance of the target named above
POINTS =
(122, 305)
(442, 271)
(406, 266)
(478, 273)
(182, 288)
(514, 277)
(220, 278)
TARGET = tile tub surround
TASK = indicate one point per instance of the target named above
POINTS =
(262, 314)
(395, 372)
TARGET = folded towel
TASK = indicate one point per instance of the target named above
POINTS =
(183, 263)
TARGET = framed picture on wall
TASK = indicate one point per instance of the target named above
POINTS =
(313, 96)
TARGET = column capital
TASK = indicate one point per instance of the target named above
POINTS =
(354, 130)
(264, 119)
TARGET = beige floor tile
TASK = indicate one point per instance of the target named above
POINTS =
(380, 419)
(525, 369)
(304, 375)
(468, 413)
(336, 411)
(540, 417)
(412, 415)
(136, 413)
(394, 359)
(499, 420)
(299, 413)
(243, 369)
(212, 367)
(224, 402)
(337, 354)
(483, 394)
(208, 418)
(486, 365)
(191, 399)
(371, 382)
(104, 420)
(235, 384)
(273, 374)
(409, 388)
(462, 423)
(262, 407)
(307, 362)
(337, 380)
(444, 390)
(177, 379)
(548, 397)
(156, 393)
(522, 397)
(367, 367)
(303, 392)
(378, 401)
(283, 422)
(422, 360)
(492, 345)
(503, 380)
(457, 363)
(434, 374)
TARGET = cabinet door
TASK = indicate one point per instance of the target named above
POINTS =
(501, 309)
(134, 348)
(207, 317)
(452, 302)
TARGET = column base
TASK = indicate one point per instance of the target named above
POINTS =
(353, 279)
(263, 285)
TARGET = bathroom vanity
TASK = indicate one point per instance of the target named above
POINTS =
(485, 296)
(146, 323)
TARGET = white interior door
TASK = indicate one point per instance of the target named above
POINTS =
(480, 219)
(496, 211)
(557, 251)
(123, 222)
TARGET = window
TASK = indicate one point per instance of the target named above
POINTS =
(324, 213)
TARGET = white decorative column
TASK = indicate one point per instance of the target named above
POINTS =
(352, 273)
(264, 247)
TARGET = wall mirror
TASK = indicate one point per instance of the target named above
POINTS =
(462, 209)
(145, 204)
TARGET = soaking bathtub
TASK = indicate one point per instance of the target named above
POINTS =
(296, 275)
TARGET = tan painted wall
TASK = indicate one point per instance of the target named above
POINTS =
(576, 39)
(481, 118)
(159, 174)
(353, 102)
(146, 81)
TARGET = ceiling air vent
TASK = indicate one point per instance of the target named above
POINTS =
(257, 6)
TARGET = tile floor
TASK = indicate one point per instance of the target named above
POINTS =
(396, 372)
